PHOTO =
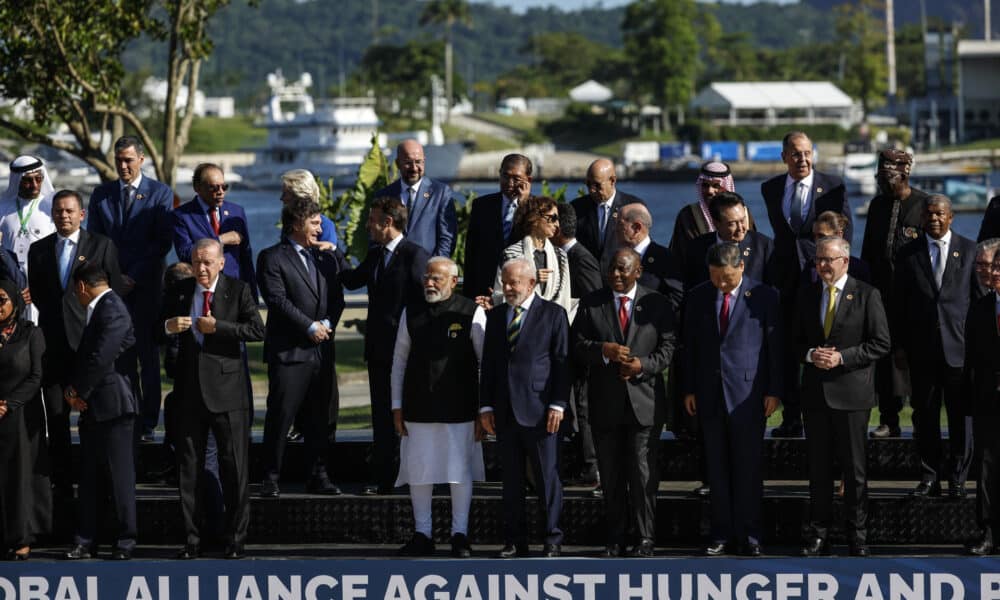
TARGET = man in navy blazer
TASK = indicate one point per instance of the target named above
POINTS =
(393, 271)
(932, 289)
(135, 213)
(431, 221)
(107, 413)
(597, 212)
(793, 201)
(491, 220)
(210, 215)
(732, 382)
(524, 392)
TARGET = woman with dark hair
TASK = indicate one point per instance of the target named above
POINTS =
(22, 513)
(535, 222)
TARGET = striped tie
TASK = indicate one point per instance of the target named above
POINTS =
(514, 327)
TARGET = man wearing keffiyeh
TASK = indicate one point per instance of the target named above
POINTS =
(694, 219)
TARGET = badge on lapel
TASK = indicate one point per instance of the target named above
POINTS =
(638, 308)
(139, 196)
(453, 330)
(955, 253)
(650, 260)
(225, 213)
(850, 296)
(910, 232)
(746, 252)
(819, 190)
(427, 194)
(81, 258)
(746, 294)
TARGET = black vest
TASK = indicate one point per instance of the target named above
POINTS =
(441, 384)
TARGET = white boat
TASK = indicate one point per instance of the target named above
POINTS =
(330, 137)
(859, 173)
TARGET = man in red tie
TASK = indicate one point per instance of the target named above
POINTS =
(624, 333)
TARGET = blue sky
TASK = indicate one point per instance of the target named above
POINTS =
(522, 5)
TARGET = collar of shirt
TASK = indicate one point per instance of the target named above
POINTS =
(526, 305)
(808, 180)
(205, 207)
(642, 246)
(135, 183)
(629, 294)
(298, 248)
(839, 284)
(405, 190)
(506, 203)
(73, 237)
(200, 289)
(569, 245)
(946, 238)
(733, 294)
(93, 304)
(391, 246)
(609, 202)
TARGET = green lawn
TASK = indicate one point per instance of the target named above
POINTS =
(483, 142)
(991, 144)
(212, 134)
(519, 122)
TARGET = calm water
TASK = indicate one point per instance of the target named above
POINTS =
(664, 199)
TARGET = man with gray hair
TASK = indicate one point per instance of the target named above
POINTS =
(300, 183)
(660, 269)
(930, 301)
(985, 252)
(839, 330)
(435, 403)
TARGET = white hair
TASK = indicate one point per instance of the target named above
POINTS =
(838, 241)
(443, 260)
(301, 183)
(521, 264)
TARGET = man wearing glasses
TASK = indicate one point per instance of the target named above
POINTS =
(839, 331)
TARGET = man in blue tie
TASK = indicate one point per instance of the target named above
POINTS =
(598, 211)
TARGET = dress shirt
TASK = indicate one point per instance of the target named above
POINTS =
(734, 297)
(405, 188)
(134, 185)
(401, 352)
(569, 245)
(630, 307)
(93, 304)
(790, 187)
(390, 248)
(74, 240)
(198, 307)
(642, 246)
(309, 269)
(208, 217)
(824, 300)
(932, 247)
(607, 214)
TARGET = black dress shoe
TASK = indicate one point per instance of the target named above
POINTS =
(321, 484)
(419, 545)
(188, 552)
(983, 547)
(269, 489)
(612, 551)
(859, 550)
(885, 431)
(294, 435)
(235, 551)
(715, 549)
(552, 550)
(702, 491)
(513, 551)
(121, 554)
(376, 490)
(460, 547)
(644, 549)
(18, 554)
(787, 430)
(597, 492)
(957, 491)
(927, 489)
(816, 547)
(78, 552)
(751, 549)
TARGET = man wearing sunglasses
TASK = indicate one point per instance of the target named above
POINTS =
(210, 215)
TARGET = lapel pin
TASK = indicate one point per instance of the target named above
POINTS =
(747, 293)
(81, 258)
(638, 309)
(955, 254)
(427, 194)
(225, 213)
(746, 252)
(139, 196)
(650, 259)
(614, 215)
(819, 190)
(850, 296)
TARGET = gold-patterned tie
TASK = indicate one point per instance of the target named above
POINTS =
(831, 308)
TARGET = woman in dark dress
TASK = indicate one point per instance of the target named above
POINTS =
(21, 348)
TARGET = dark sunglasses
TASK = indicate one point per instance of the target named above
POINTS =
(219, 186)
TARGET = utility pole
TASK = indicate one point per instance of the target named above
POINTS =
(986, 20)
(890, 50)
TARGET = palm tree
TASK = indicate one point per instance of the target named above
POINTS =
(447, 13)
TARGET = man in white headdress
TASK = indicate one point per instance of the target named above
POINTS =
(25, 210)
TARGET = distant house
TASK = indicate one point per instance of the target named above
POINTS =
(591, 92)
(765, 103)
(978, 89)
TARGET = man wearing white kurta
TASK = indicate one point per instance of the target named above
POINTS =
(435, 404)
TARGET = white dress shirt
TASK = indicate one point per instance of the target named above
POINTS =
(93, 304)
(734, 296)
(790, 187)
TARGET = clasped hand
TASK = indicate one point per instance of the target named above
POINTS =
(826, 358)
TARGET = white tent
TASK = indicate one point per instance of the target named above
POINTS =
(591, 92)
(774, 102)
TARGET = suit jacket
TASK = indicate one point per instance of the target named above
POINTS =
(584, 271)
(990, 227)
(214, 372)
(792, 248)
(521, 384)
(588, 222)
(756, 248)
(432, 222)
(295, 300)
(106, 391)
(747, 361)
(650, 336)
(399, 283)
(861, 334)
(143, 236)
(926, 320)
(662, 273)
(982, 356)
(11, 270)
(909, 224)
(60, 316)
(484, 244)
(191, 224)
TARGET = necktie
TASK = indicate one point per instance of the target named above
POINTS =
(831, 308)
(65, 260)
(514, 327)
(127, 200)
(623, 313)
(602, 212)
(213, 216)
(942, 260)
(410, 200)
(798, 201)
(206, 305)
(724, 316)
(508, 220)
(380, 262)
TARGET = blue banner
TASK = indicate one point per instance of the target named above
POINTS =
(727, 151)
(561, 579)
(764, 151)
(672, 150)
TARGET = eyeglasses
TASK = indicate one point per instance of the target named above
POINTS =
(435, 278)
(823, 261)
(218, 187)
(983, 264)
(553, 218)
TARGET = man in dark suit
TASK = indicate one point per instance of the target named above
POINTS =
(793, 200)
(729, 215)
(894, 219)
(660, 270)
(135, 213)
(430, 208)
(985, 252)
(982, 366)
(299, 287)
(597, 212)
(625, 335)
(990, 227)
(210, 216)
(524, 391)
(393, 272)
(214, 315)
(51, 262)
(933, 284)
(491, 220)
(584, 270)
(839, 331)
(732, 381)
(107, 413)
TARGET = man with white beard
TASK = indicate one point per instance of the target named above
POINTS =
(435, 403)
